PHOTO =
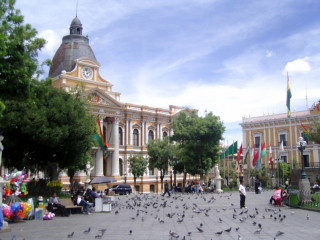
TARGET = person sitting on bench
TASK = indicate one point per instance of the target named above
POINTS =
(55, 202)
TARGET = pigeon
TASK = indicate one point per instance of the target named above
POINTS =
(259, 225)
(199, 229)
(130, 232)
(228, 230)
(189, 233)
(220, 220)
(258, 231)
(279, 233)
(237, 228)
(308, 217)
(98, 236)
(87, 231)
(201, 225)
(219, 233)
(239, 237)
(116, 212)
(70, 235)
(254, 223)
(292, 213)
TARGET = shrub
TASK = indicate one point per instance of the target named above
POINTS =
(37, 187)
(54, 187)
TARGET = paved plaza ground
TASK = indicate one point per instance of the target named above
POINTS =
(151, 216)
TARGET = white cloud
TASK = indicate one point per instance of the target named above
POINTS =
(269, 53)
(300, 65)
(53, 41)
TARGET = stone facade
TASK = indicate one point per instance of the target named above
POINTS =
(126, 127)
(277, 128)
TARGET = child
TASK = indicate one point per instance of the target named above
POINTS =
(242, 192)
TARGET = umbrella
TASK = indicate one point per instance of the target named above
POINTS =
(102, 179)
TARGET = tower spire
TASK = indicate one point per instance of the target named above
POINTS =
(77, 8)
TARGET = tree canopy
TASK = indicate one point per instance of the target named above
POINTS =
(18, 52)
(44, 128)
(138, 165)
(160, 153)
(198, 139)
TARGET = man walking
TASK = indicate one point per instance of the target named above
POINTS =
(166, 189)
(242, 191)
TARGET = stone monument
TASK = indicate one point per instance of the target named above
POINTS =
(88, 174)
(5, 226)
(217, 179)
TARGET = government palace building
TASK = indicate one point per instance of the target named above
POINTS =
(281, 133)
(126, 127)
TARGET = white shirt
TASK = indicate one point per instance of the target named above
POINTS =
(242, 189)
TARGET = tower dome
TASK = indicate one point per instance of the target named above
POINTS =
(73, 47)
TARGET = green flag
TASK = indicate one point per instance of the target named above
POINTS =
(246, 156)
(289, 95)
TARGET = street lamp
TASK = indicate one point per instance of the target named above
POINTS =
(301, 144)
(125, 177)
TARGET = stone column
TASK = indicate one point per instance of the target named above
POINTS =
(142, 133)
(160, 132)
(127, 132)
(130, 132)
(99, 163)
(115, 155)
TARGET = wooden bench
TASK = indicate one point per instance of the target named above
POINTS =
(70, 207)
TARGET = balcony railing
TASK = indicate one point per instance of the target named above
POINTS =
(285, 143)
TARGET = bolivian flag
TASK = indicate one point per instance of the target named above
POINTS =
(98, 137)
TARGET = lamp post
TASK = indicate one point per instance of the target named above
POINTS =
(304, 184)
(171, 179)
(125, 177)
(301, 144)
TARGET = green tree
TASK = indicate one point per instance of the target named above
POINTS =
(315, 132)
(138, 165)
(160, 154)
(52, 131)
(198, 139)
(18, 53)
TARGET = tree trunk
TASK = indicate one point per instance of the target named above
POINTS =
(184, 181)
(53, 172)
(201, 178)
(134, 184)
(161, 179)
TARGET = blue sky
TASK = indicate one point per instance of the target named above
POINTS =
(225, 56)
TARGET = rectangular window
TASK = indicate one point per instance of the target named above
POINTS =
(257, 142)
(283, 139)
(151, 172)
(284, 159)
(306, 160)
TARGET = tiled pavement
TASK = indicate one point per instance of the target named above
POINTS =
(150, 216)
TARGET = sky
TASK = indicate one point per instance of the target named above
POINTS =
(227, 57)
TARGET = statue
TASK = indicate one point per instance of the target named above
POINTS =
(216, 171)
(1, 149)
(88, 170)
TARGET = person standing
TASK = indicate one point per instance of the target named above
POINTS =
(242, 191)
(166, 189)
(257, 185)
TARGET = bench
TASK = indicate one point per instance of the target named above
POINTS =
(70, 207)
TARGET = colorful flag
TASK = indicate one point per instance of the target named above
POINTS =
(252, 155)
(246, 157)
(289, 95)
(263, 150)
(239, 154)
(258, 161)
(270, 157)
(98, 137)
(281, 146)
(306, 133)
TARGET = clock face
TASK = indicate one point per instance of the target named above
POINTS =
(87, 73)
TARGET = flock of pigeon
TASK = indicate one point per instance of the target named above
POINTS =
(193, 216)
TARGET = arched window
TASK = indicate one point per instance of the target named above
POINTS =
(120, 136)
(150, 135)
(135, 137)
(164, 134)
